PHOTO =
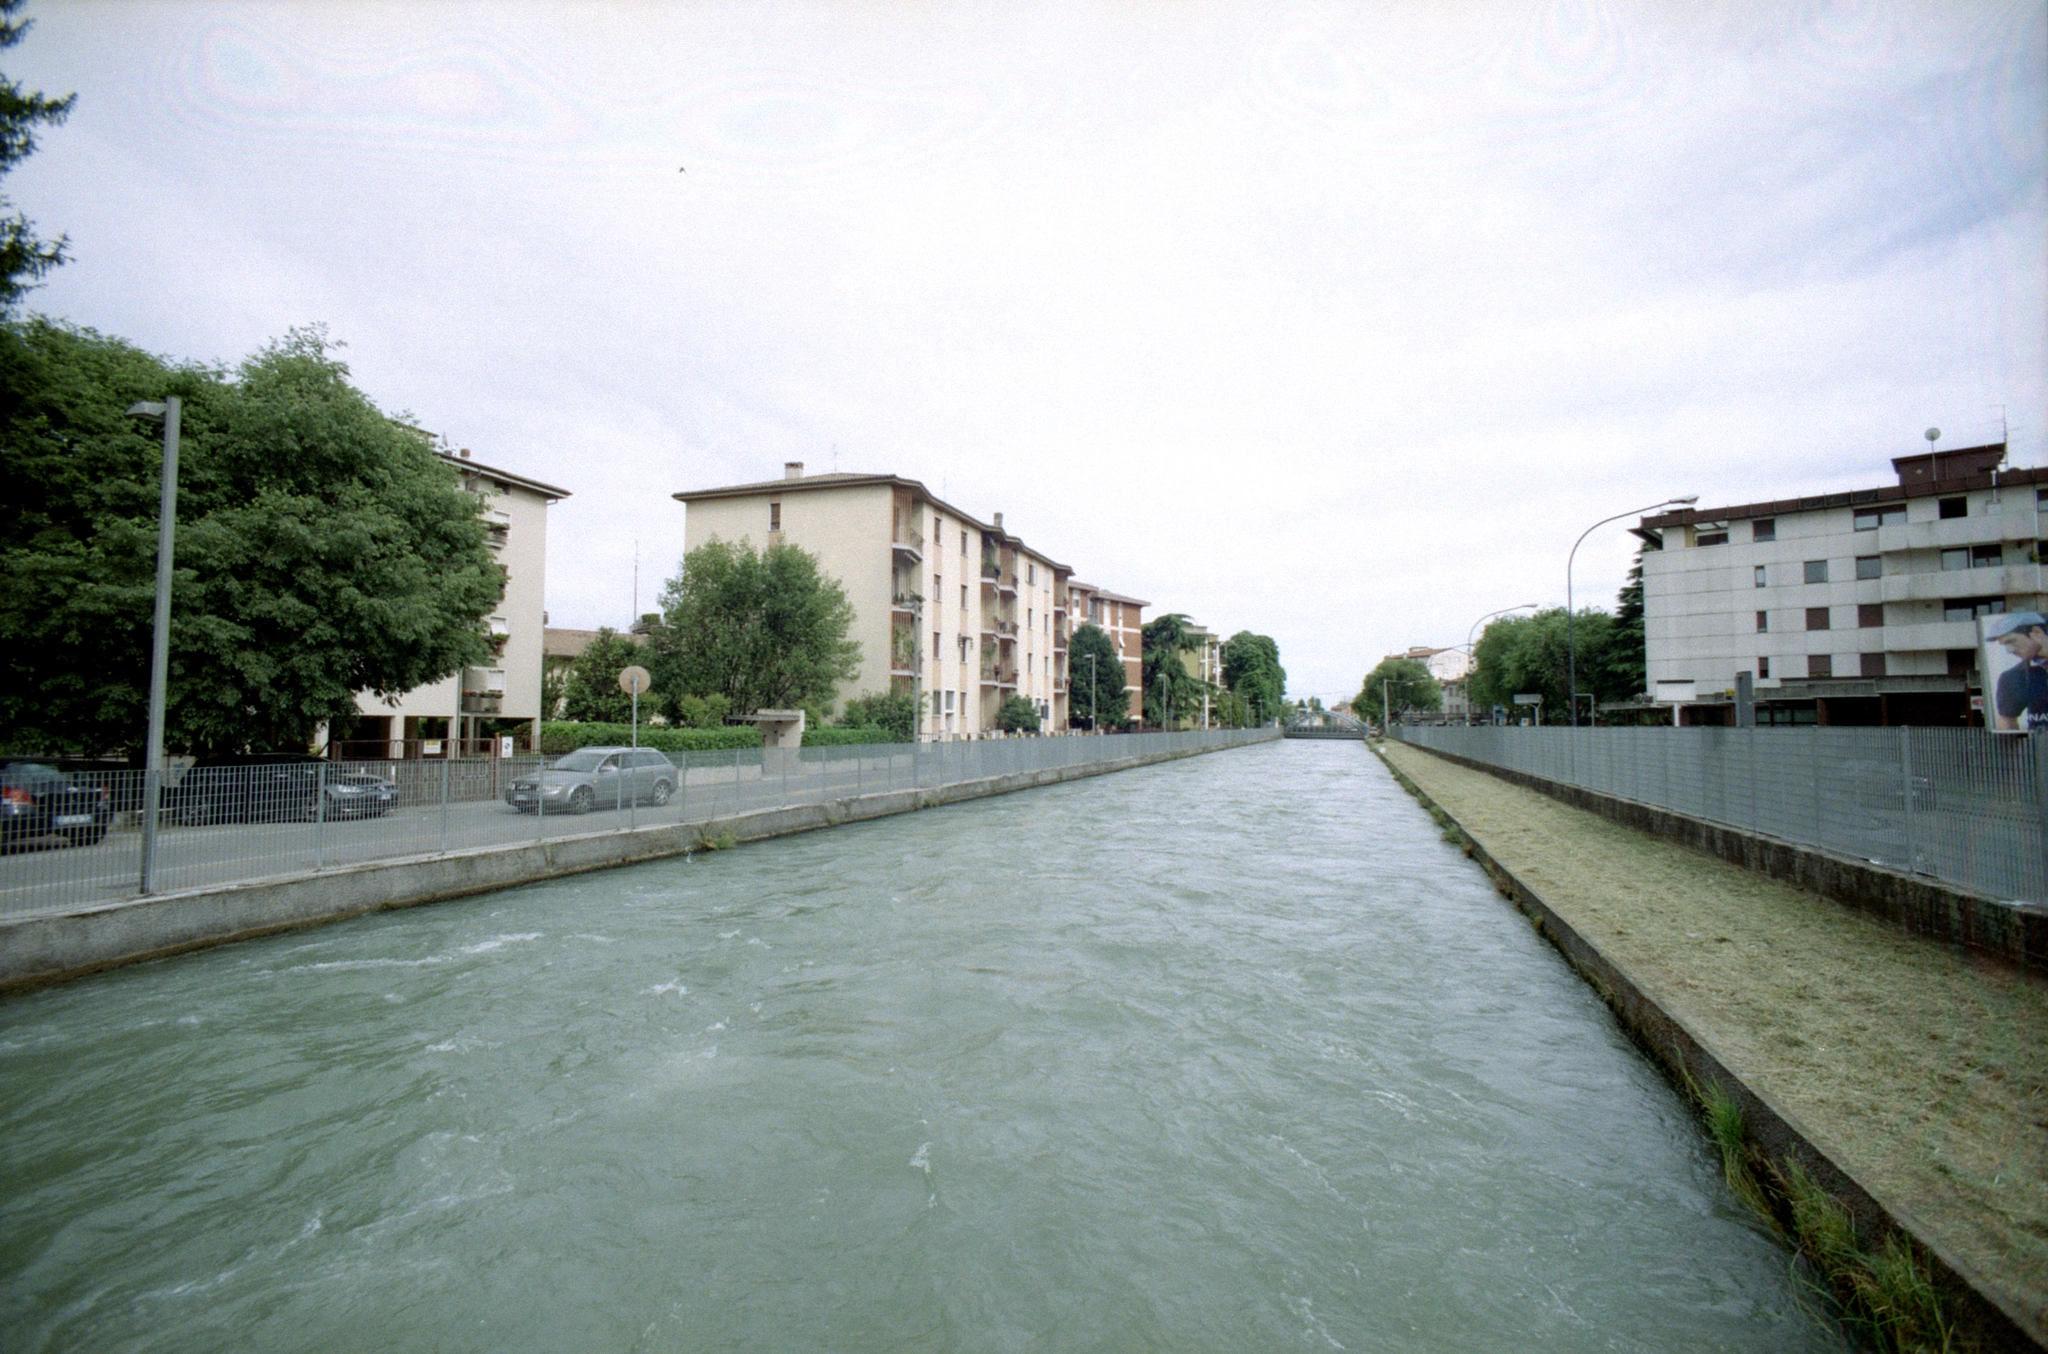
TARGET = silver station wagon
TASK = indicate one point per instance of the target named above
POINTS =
(595, 778)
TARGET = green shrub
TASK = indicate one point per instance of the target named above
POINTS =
(834, 736)
(896, 712)
(560, 736)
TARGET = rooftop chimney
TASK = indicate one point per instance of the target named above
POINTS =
(999, 521)
(465, 453)
(792, 470)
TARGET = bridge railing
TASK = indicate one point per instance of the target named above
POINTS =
(1965, 806)
(239, 824)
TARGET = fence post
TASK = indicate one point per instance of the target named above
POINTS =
(319, 815)
(444, 799)
(1906, 774)
(540, 798)
(2040, 743)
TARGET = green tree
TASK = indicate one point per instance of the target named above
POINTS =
(1408, 686)
(592, 692)
(1017, 714)
(766, 630)
(1627, 668)
(1530, 655)
(896, 712)
(322, 549)
(1095, 691)
(1251, 668)
(23, 257)
(1171, 691)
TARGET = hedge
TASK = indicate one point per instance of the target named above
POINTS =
(564, 735)
(835, 736)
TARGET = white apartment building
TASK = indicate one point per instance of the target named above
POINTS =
(959, 612)
(475, 703)
(1849, 608)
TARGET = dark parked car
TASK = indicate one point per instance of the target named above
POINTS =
(38, 800)
(275, 790)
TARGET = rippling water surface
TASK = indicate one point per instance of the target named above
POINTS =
(1231, 1053)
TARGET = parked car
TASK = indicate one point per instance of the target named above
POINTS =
(287, 789)
(591, 778)
(38, 800)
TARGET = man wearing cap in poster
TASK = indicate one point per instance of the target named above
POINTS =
(2021, 698)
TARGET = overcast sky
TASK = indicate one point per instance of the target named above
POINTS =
(1334, 322)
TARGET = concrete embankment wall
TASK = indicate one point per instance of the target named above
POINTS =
(1986, 1316)
(40, 950)
(2016, 933)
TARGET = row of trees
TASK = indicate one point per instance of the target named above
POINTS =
(1252, 690)
(1531, 655)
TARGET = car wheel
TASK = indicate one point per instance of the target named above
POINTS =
(658, 796)
(582, 800)
(88, 836)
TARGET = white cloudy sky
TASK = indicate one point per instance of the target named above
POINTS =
(1335, 322)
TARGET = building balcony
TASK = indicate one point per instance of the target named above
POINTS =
(907, 602)
(909, 544)
(1000, 677)
(1935, 585)
(1928, 635)
(483, 702)
(1955, 531)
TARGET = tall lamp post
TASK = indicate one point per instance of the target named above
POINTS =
(1094, 717)
(1570, 637)
(167, 412)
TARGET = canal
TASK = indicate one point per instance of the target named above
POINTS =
(1229, 1053)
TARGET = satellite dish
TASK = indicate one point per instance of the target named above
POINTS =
(1933, 434)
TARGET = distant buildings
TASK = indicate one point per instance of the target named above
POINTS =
(1848, 608)
(1123, 620)
(478, 703)
(1450, 667)
(957, 611)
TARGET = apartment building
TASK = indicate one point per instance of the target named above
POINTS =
(475, 705)
(1451, 667)
(958, 612)
(1123, 620)
(1848, 608)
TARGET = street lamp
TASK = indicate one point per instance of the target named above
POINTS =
(1570, 638)
(1094, 717)
(167, 412)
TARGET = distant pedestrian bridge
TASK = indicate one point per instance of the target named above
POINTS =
(1326, 724)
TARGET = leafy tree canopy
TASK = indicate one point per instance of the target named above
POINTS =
(1530, 655)
(766, 630)
(896, 712)
(1407, 686)
(1251, 669)
(1095, 691)
(592, 692)
(321, 549)
(1017, 714)
(23, 257)
(1171, 691)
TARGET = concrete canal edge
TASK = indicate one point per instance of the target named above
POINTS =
(2013, 932)
(39, 950)
(1981, 1313)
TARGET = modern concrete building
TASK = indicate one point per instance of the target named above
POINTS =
(956, 611)
(1123, 620)
(477, 704)
(1849, 608)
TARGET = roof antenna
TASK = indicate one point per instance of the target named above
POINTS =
(835, 458)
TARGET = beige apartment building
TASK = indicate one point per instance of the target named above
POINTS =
(474, 705)
(956, 611)
(1123, 620)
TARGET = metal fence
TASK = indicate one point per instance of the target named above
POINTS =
(1964, 806)
(221, 826)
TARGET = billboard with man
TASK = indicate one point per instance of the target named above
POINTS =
(2013, 653)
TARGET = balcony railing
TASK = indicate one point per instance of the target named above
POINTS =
(908, 539)
(907, 601)
(995, 674)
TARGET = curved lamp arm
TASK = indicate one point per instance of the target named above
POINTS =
(1571, 643)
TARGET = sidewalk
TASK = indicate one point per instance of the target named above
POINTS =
(1921, 1072)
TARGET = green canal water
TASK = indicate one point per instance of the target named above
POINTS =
(1231, 1053)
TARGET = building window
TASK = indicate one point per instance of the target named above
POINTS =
(775, 517)
(963, 545)
(1962, 662)
(1028, 623)
(1987, 556)
(1955, 559)
(1970, 608)
(1712, 537)
(1873, 665)
(1870, 519)
(1029, 669)
(1763, 668)
(963, 648)
(1760, 576)
(1820, 665)
(1816, 571)
(1954, 507)
(1816, 618)
(936, 641)
(1031, 574)
(1763, 621)
(1869, 615)
(1764, 529)
(1870, 566)
(949, 700)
